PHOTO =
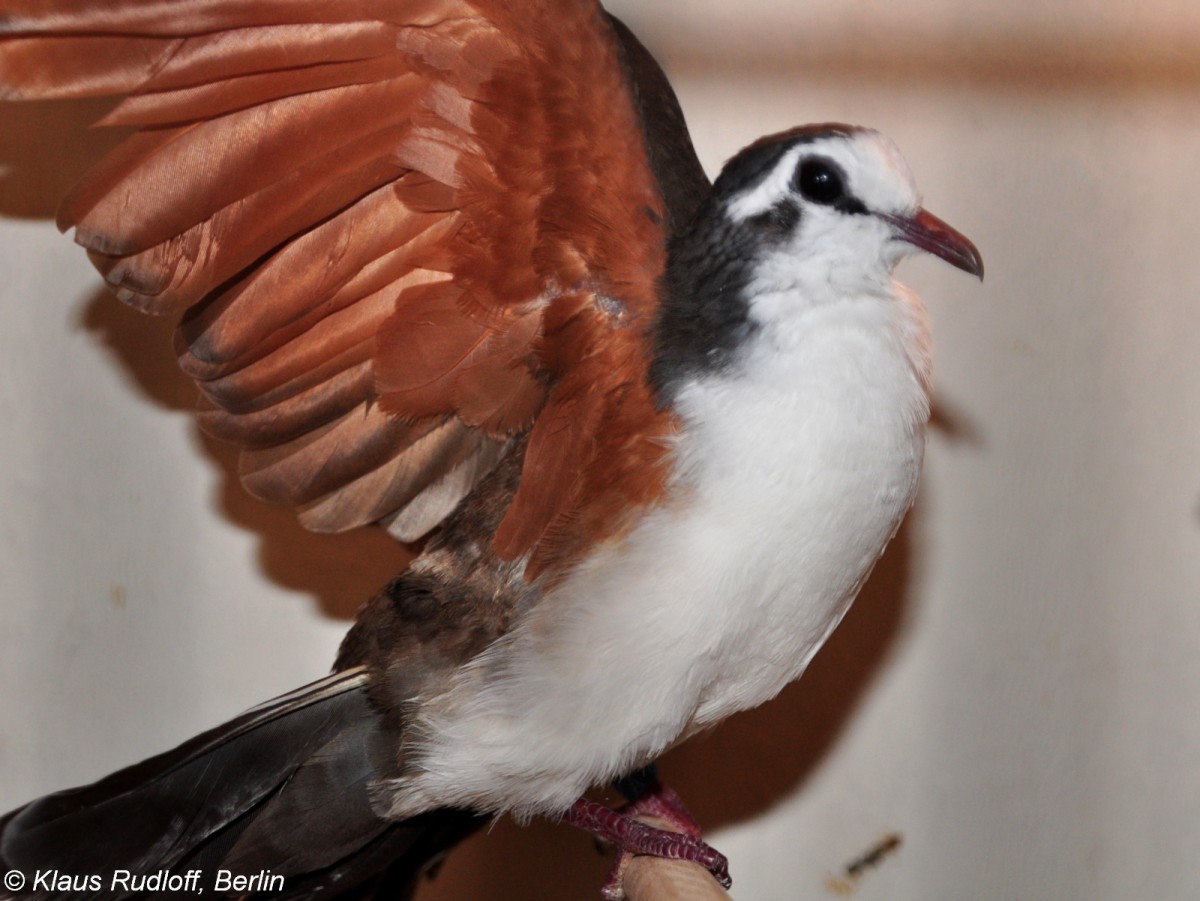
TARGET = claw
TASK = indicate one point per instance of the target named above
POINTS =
(634, 837)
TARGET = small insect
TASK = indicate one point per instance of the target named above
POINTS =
(844, 885)
(886, 846)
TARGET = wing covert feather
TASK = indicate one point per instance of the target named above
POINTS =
(403, 235)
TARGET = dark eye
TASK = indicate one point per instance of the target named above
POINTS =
(819, 182)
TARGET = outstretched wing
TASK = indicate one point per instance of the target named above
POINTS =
(405, 236)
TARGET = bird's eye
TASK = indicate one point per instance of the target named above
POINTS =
(819, 182)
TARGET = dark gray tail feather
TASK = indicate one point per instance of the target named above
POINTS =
(281, 790)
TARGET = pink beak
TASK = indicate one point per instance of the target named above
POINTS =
(931, 234)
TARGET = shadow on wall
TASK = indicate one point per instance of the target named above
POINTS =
(340, 571)
(45, 147)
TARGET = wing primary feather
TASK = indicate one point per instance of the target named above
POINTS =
(380, 217)
(289, 419)
(410, 472)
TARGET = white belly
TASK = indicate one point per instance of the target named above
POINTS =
(791, 478)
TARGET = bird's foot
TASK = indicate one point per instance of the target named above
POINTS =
(663, 803)
(633, 837)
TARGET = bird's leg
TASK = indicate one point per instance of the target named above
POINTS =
(648, 797)
(650, 800)
(634, 837)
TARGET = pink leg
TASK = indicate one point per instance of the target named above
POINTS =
(634, 837)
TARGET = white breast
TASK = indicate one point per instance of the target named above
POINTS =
(792, 474)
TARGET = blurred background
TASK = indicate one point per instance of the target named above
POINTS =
(1016, 693)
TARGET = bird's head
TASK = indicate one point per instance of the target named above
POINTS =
(831, 204)
(813, 216)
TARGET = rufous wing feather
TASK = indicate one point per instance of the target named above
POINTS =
(405, 237)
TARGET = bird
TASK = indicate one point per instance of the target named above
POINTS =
(453, 268)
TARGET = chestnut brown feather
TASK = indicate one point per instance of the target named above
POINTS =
(417, 249)
(285, 421)
(411, 215)
(316, 276)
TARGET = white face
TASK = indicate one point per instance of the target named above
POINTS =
(841, 243)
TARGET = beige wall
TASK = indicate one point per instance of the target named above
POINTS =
(1016, 693)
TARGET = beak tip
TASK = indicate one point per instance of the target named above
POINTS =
(929, 233)
(976, 268)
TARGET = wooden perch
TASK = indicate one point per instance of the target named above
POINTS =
(658, 879)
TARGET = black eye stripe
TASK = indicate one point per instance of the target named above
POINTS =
(779, 219)
(851, 204)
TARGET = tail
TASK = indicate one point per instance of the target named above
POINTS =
(281, 793)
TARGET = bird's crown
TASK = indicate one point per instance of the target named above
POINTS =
(845, 168)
